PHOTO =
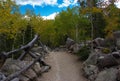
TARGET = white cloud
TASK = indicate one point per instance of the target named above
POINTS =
(50, 17)
(118, 3)
(66, 3)
(36, 2)
(74, 2)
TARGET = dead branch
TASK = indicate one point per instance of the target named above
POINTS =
(26, 47)
(16, 74)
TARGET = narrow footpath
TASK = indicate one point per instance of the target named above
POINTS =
(65, 67)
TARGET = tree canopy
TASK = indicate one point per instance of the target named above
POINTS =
(76, 23)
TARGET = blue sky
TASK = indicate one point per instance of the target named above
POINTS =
(48, 9)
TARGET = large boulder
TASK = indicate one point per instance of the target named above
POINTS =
(69, 43)
(11, 66)
(116, 55)
(91, 71)
(92, 59)
(30, 74)
(99, 42)
(2, 76)
(116, 34)
(102, 60)
(103, 43)
(106, 61)
(107, 75)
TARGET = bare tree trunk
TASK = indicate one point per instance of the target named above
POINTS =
(76, 34)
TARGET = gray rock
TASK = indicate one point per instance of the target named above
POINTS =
(118, 43)
(99, 42)
(9, 67)
(106, 61)
(69, 42)
(2, 76)
(23, 78)
(37, 68)
(116, 34)
(30, 74)
(91, 71)
(45, 69)
(46, 49)
(92, 59)
(21, 64)
(37, 49)
(15, 79)
(28, 58)
(116, 54)
(107, 75)
(12, 66)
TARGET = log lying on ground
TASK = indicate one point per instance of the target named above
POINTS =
(26, 47)
(40, 60)
(26, 50)
(16, 74)
(22, 55)
(43, 47)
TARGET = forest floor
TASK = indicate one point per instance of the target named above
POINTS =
(65, 67)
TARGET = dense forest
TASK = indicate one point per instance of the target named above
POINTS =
(89, 20)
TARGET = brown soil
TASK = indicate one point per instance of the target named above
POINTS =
(65, 67)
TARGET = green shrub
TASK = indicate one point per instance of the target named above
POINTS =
(83, 53)
(106, 50)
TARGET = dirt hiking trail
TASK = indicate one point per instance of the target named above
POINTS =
(65, 67)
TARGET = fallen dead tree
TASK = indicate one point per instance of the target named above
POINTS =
(16, 74)
(26, 50)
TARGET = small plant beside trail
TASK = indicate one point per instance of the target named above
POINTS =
(83, 53)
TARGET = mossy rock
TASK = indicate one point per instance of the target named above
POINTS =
(106, 50)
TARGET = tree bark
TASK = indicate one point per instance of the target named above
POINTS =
(16, 74)
(26, 47)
